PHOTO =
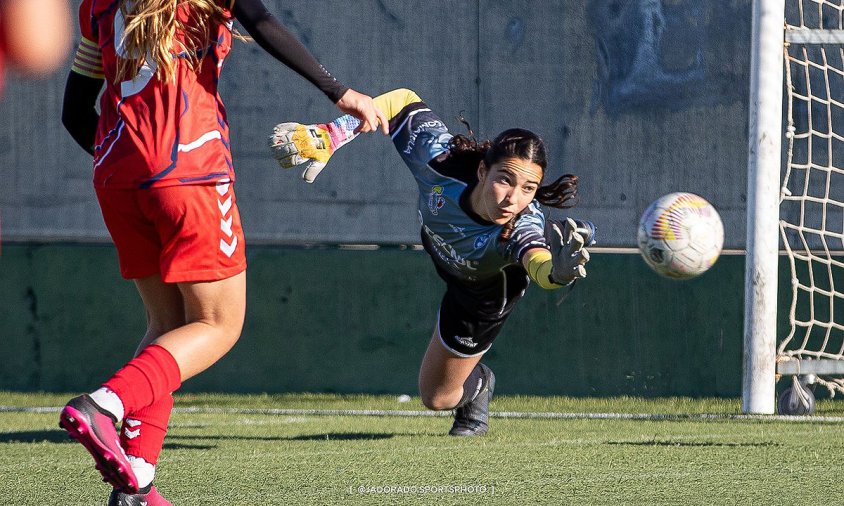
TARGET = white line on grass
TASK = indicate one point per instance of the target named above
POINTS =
(493, 414)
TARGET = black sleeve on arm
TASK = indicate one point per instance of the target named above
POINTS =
(79, 115)
(277, 40)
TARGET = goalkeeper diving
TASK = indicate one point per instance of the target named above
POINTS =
(482, 225)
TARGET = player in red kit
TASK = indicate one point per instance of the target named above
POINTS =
(164, 179)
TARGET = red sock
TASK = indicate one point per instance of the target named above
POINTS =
(147, 378)
(143, 431)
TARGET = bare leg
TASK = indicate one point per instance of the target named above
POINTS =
(442, 375)
(213, 311)
(164, 307)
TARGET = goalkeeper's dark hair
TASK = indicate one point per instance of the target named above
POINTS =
(514, 143)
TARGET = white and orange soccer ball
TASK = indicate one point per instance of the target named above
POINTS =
(680, 235)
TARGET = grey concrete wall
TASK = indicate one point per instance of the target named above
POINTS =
(639, 98)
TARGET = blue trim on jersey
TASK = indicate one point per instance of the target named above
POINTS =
(111, 132)
(200, 53)
(174, 154)
(174, 151)
(187, 104)
(203, 178)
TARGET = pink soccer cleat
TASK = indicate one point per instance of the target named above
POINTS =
(87, 423)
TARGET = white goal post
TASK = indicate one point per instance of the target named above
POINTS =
(763, 173)
(798, 47)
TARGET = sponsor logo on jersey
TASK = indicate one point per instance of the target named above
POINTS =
(447, 252)
(420, 127)
(435, 199)
(481, 241)
(459, 230)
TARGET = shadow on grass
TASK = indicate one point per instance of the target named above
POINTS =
(35, 436)
(694, 444)
(341, 436)
(178, 446)
(331, 436)
(60, 436)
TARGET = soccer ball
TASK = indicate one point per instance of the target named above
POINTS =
(680, 235)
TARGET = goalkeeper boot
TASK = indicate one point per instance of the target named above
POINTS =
(89, 424)
(472, 419)
(147, 496)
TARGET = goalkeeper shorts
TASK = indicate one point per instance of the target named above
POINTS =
(187, 233)
(471, 315)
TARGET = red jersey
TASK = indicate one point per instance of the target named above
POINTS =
(151, 132)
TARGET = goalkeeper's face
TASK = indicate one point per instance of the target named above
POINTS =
(505, 188)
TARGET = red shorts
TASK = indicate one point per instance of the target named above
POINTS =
(184, 233)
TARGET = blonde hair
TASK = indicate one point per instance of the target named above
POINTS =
(151, 28)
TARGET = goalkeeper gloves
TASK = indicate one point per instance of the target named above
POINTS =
(568, 241)
(310, 146)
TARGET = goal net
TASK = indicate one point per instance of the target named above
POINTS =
(812, 192)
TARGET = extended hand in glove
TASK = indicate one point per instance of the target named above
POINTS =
(310, 146)
(568, 252)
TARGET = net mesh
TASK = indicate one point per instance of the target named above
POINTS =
(812, 194)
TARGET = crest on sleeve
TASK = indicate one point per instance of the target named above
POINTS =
(435, 199)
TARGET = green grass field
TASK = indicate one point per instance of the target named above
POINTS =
(233, 450)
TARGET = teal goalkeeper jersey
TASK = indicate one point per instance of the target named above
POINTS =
(459, 241)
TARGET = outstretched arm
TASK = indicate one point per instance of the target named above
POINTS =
(279, 42)
(309, 147)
